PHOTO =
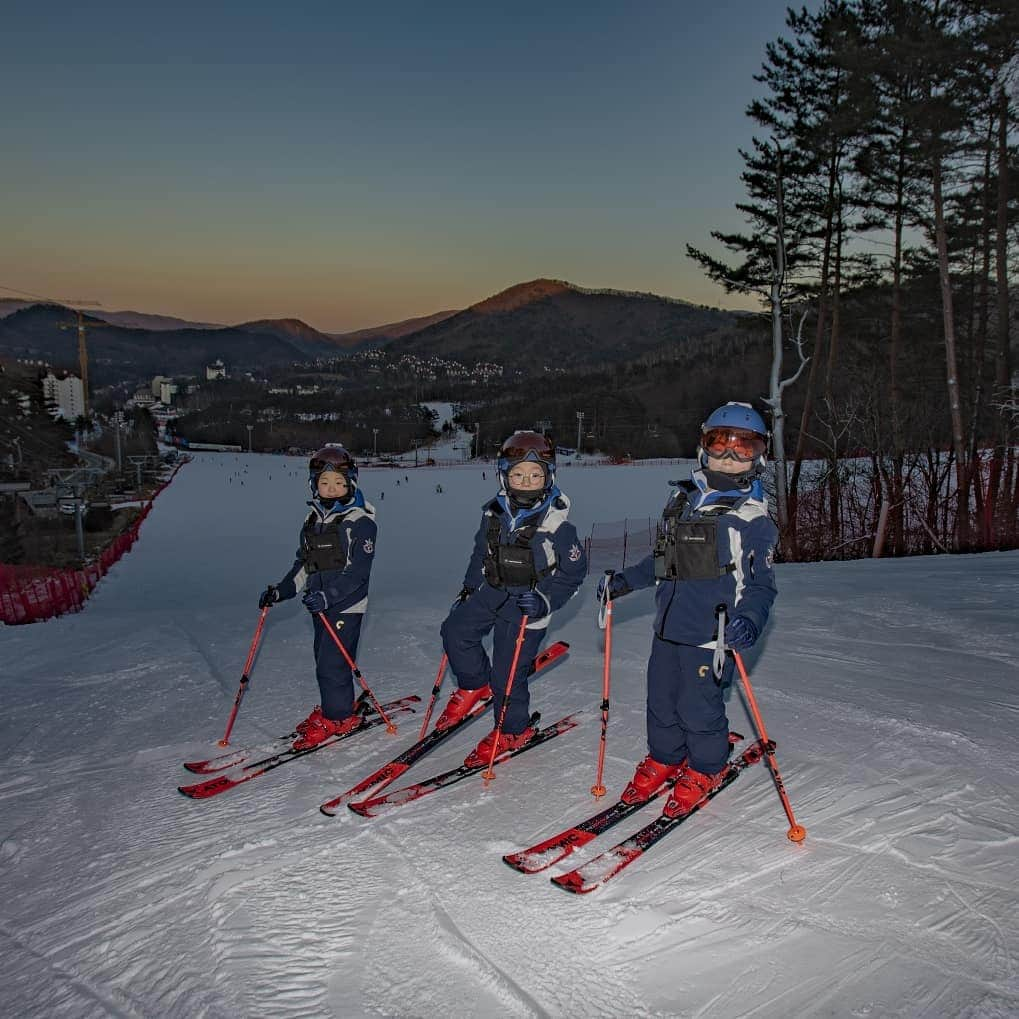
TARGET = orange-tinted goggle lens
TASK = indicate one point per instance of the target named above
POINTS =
(743, 444)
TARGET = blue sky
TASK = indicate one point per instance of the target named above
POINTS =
(352, 167)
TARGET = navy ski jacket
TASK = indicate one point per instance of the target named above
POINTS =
(555, 546)
(346, 589)
(746, 538)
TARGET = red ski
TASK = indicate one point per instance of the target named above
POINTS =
(390, 772)
(222, 782)
(388, 801)
(597, 871)
(543, 855)
(233, 758)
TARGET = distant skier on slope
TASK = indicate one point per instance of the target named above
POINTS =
(526, 561)
(333, 568)
(716, 546)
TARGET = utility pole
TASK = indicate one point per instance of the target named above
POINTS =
(580, 429)
(79, 531)
(118, 417)
(375, 443)
(250, 429)
(138, 461)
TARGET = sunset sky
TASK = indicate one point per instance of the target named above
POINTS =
(351, 167)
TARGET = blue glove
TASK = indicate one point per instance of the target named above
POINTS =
(532, 605)
(315, 601)
(268, 597)
(616, 584)
(740, 634)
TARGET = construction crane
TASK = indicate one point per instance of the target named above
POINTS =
(80, 325)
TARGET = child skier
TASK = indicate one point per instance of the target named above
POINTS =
(716, 546)
(333, 567)
(526, 561)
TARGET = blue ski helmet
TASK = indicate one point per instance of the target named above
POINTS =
(739, 431)
(332, 457)
(527, 445)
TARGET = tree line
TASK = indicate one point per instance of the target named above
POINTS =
(880, 210)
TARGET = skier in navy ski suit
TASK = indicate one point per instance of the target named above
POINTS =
(527, 560)
(716, 547)
(332, 568)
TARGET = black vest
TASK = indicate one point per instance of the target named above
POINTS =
(510, 564)
(325, 549)
(687, 546)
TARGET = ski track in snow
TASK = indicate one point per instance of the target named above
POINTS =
(888, 686)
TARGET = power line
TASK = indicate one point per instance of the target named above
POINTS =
(52, 300)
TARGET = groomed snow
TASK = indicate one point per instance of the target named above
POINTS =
(890, 687)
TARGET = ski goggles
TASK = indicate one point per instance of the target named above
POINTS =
(738, 443)
(320, 464)
(514, 455)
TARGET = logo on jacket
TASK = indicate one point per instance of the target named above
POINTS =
(574, 553)
(369, 546)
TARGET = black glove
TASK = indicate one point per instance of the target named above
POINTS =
(465, 593)
(268, 597)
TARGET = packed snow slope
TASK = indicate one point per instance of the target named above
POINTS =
(889, 686)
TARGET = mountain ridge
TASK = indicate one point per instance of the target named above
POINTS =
(545, 323)
(539, 325)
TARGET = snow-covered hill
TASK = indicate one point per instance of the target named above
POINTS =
(890, 687)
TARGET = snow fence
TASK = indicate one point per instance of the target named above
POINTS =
(619, 543)
(29, 594)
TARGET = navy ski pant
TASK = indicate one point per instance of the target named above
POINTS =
(462, 633)
(685, 709)
(335, 680)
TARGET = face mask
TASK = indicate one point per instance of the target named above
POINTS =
(722, 482)
(525, 500)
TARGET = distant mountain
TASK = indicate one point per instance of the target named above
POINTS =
(9, 305)
(544, 323)
(381, 334)
(120, 353)
(132, 319)
(552, 323)
(290, 330)
(143, 320)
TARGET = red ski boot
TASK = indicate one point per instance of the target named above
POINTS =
(482, 753)
(647, 779)
(691, 787)
(459, 704)
(315, 718)
(316, 728)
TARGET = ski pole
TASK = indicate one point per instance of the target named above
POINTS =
(245, 678)
(490, 773)
(605, 622)
(390, 727)
(435, 693)
(796, 833)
